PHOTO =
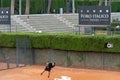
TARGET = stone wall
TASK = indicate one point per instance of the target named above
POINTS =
(93, 60)
(110, 61)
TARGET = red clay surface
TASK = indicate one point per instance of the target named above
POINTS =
(33, 73)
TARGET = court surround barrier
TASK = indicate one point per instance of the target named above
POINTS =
(18, 57)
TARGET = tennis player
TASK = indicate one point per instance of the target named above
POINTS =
(48, 68)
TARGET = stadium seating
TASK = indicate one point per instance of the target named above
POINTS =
(46, 23)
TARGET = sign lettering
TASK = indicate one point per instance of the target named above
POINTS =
(94, 15)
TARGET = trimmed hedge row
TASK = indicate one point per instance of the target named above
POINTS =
(63, 41)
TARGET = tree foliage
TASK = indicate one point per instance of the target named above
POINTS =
(41, 6)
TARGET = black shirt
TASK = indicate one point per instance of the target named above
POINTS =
(49, 66)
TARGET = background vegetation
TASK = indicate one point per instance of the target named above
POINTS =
(63, 41)
(40, 6)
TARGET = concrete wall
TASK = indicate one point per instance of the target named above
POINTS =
(7, 53)
(109, 61)
(96, 60)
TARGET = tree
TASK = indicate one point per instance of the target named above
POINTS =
(68, 6)
(27, 10)
(12, 6)
(108, 2)
(100, 2)
(49, 6)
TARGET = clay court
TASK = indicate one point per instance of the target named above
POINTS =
(33, 73)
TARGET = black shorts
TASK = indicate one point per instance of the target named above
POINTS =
(47, 69)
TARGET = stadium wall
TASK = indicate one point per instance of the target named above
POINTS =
(92, 60)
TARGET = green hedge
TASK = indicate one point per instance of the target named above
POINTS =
(63, 41)
(114, 24)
